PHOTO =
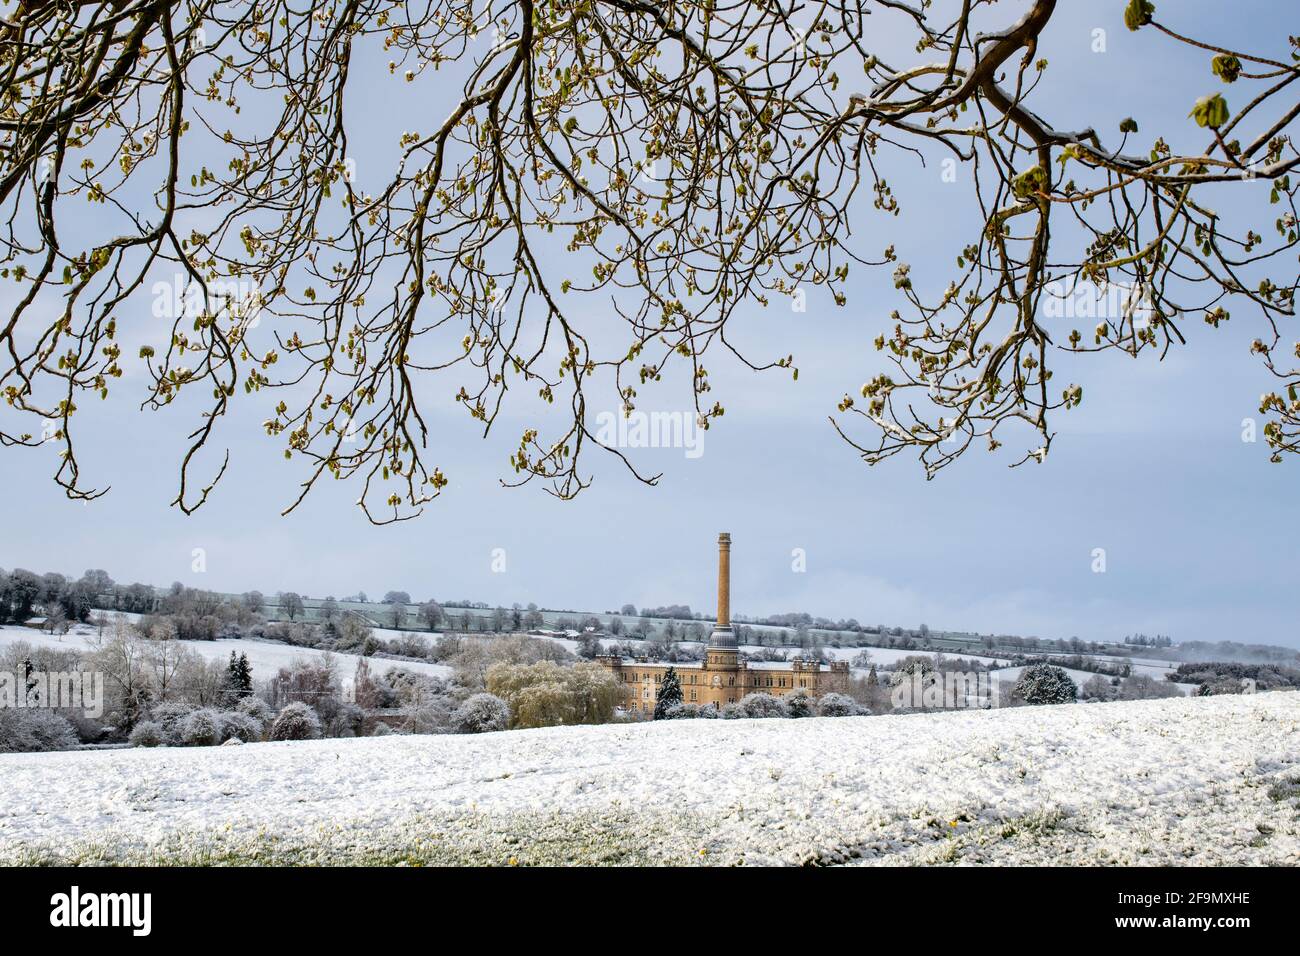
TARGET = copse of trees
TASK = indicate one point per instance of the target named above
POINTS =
(22, 592)
(1223, 676)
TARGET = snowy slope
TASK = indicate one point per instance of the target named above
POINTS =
(1168, 781)
(266, 657)
(885, 658)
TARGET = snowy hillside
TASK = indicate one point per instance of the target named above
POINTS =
(266, 657)
(1207, 781)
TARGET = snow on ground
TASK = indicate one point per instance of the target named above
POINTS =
(266, 657)
(1184, 781)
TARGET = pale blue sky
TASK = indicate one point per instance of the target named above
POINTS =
(1198, 527)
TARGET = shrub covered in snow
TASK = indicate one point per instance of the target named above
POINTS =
(168, 715)
(692, 712)
(799, 703)
(147, 733)
(837, 705)
(1099, 688)
(236, 725)
(1137, 687)
(29, 731)
(732, 711)
(1045, 684)
(481, 713)
(759, 704)
(296, 722)
(1144, 687)
(200, 728)
(256, 708)
(345, 720)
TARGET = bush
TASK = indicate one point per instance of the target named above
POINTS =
(1144, 687)
(732, 711)
(147, 733)
(31, 731)
(692, 712)
(236, 725)
(837, 705)
(200, 728)
(799, 704)
(346, 721)
(763, 705)
(481, 713)
(256, 708)
(169, 715)
(296, 722)
(1098, 688)
(1045, 684)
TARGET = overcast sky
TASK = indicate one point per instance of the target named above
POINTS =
(1197, 526)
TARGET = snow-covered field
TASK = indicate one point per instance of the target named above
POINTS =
(1199, 781)
(885, 658)
(266, 657)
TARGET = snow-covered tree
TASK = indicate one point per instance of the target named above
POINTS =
(256, 708)
(670, 694)
(168, 715)
(430, 615)
(200, 728)
(240, 726)
(692, 712)
(545, 694)
(1046, 684)
(1098, 688)
(837, 705)
(238, 682)
(799, 703)
(147, 733)
(481, 713)
(31, 731)
(296, 721)
(291, 604)
(763, 705)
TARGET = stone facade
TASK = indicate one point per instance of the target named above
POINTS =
(722, 678)
(721, 682)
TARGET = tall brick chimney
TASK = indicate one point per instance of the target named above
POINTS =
(723, 637)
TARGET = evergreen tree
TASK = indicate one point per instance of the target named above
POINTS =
(1046, 684)
(670, 694)
(238, 682)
